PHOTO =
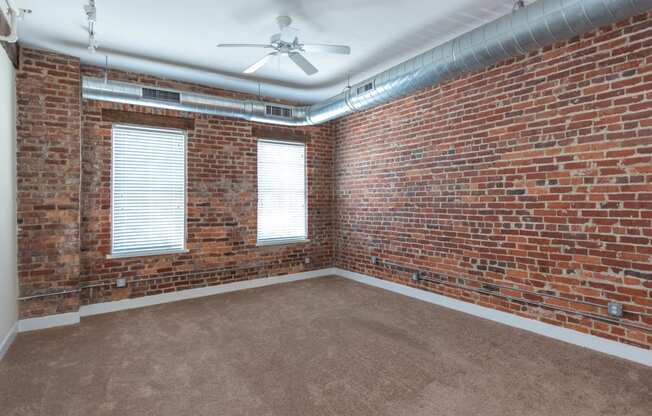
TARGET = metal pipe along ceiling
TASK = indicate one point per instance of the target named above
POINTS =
(529, 28)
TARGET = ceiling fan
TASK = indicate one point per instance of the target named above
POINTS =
(286, 42)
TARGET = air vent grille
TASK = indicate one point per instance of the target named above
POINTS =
(161, 95)
(278, 111)
(366, 87)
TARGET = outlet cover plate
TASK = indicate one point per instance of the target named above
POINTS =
(615, 309)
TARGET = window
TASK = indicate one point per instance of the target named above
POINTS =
(281, 192)
(148, 191)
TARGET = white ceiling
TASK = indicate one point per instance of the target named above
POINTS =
(177, 38)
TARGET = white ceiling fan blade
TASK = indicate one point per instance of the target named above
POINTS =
(259, 64)
(289, 34)
(317, 47)
(243, 45)
(303, 63)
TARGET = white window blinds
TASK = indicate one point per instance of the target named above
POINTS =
(281, 192)
(148, 190)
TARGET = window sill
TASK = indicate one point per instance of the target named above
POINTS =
(146, 254)
(267, 243)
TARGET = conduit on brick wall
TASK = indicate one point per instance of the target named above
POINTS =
(493, 288)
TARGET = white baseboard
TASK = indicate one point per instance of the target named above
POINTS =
(32, 324)
(8, 339)
(618, 349)
(120, 305)
(592, 342)
(50, 321)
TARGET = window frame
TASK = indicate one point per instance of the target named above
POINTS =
(285, 240)
(182, 250)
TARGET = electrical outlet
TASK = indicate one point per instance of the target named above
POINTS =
(375, 260)
(306, 260)
(416, 276)
(122, 282)
(615, 309)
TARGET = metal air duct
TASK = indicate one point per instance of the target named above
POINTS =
(529, 28)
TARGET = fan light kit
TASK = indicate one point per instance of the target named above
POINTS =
(286, 42)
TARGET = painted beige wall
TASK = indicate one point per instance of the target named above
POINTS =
(8, 280)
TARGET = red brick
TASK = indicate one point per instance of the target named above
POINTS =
(575, 227)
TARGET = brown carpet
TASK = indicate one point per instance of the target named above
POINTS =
(325, 346)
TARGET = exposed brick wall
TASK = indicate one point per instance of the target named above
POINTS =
(48, 180)
(534, 174)
(221, 191)
(221, 197)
